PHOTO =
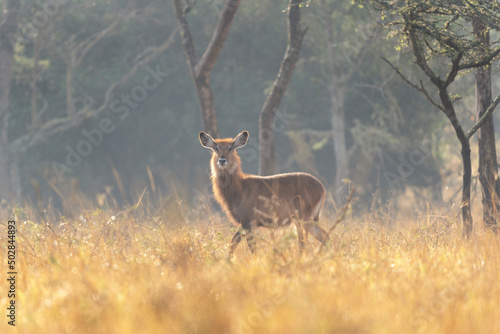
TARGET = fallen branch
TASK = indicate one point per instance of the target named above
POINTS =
(341, 216)
(343, 211)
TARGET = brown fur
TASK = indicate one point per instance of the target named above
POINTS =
(271, 201)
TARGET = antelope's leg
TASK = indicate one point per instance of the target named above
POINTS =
(317, 232)
(298, 205)
(250, 241)
(246, 230)
(300, 235)
(235, 241)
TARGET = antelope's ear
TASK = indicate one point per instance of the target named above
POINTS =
(207, 141)
(240, 139)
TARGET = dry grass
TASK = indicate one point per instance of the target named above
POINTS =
(124, 275)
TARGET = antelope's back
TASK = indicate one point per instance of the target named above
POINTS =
(284, 195)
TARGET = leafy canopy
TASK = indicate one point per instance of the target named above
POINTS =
(444, 27)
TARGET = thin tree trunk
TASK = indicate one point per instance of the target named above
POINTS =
(267, 159)
(488, 170)
(8, 27)
(464, 140)
(466, 189)
(339, 143)
(34, 80)
(70, 67)
(338, 86)
(15, 180)
(4, 162)
(337, 95)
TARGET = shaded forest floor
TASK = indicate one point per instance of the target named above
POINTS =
(100, 273)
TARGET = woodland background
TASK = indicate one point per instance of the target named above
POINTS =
(95, 59)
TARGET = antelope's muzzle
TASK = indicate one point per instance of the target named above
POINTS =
(222, 162)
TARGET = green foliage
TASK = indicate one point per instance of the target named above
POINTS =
(444, 26)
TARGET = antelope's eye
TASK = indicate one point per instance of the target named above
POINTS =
(217, 148)
(229, 149)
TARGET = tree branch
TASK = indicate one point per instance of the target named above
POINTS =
(483, 62)
(483, 118)
(187, 39)
(84, 47)
(420, 88)
(61, 124)
(454, 69)
(214, 48)
(209, 58)
(189, 6)
(420, 58)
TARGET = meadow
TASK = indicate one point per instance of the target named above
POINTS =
(129, 272)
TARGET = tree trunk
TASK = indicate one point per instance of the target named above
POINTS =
(33, 83)
(207, 105)
(8, 28)
(488, 170)
(464, 140)
(466, 163)
(339, 144)
(337, 95)
(267, 160)
(200, 70)
(467, 176)
(267, 156)
(4, 163)
(15, 180)
(70, 67)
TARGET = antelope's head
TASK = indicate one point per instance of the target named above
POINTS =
(224, 156)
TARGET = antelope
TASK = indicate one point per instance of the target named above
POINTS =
(272, 201)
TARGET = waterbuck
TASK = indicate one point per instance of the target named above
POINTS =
(269, 201)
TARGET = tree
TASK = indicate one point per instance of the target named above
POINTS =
(338, 78)
(41, 129)
(488, 170)
(202, 68)
(8, 28)
(267, 159)
(437, 31)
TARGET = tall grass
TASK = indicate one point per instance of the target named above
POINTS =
(103, 272)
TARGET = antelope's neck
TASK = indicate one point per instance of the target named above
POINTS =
(227, 179)
(227, 186)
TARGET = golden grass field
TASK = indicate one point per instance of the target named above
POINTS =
(130, 273)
